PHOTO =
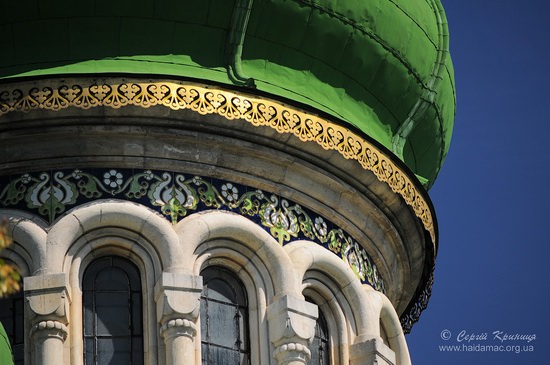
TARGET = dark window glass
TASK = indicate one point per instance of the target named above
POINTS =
(112, 312)
(320, 352)
(11, 316)
(224, 319)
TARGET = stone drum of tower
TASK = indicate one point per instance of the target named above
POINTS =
(222, 182)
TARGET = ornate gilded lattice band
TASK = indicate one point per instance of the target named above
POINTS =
(231, 105)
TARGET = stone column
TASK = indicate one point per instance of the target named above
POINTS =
(291, 329)
(178, 307)
(371, 352)
(49, 337)
(179, 337)
(47, 298)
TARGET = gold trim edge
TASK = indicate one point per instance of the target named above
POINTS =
(231, 105)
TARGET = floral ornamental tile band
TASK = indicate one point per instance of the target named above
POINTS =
(177, 195)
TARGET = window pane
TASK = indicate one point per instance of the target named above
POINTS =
(221, 291)
(114, 351)
(204, 312)
(221, 356)
(19, 330)
(18, 353)
(320, 352)
(7, 315)
(112, 313)
(88, 303)
(243, 330)
(111, 279)
(89, 354)
(137, 351)
(222, 321)
(315, 358)
(136, 314)
(5, 309)
(88, 282)
(224, 314)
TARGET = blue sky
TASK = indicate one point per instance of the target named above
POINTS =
(492, 195)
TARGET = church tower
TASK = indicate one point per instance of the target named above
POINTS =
(221, 182)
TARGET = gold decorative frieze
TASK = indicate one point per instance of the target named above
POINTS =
(231, 105)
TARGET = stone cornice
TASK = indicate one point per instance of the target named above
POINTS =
(203, 99)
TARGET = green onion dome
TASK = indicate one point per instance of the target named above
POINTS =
(379, 67)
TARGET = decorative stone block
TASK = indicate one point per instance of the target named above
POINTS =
(371, 352)
(48, 297)
(292, 328)
(291, 318)
(178, 297)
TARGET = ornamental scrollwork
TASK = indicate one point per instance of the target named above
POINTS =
(175, 196)
(412, 314)
(231, 105)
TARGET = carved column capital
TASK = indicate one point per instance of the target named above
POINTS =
(291, 329)
(49, 329)
(47, 308)
(178, 306)
(178, 297)
(292, 353)
(178, 327)
(47, 298)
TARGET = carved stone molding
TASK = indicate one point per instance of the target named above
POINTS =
(49, 329)
(291, 329)
(178, 308)
(290, 353)
(178, 298)
(178, 327)
(48, 297)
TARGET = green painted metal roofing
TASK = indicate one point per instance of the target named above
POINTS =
(381, 66)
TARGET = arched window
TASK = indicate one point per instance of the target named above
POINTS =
(11, 316)
(224, 319)
(320, 351)
(112, 312)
